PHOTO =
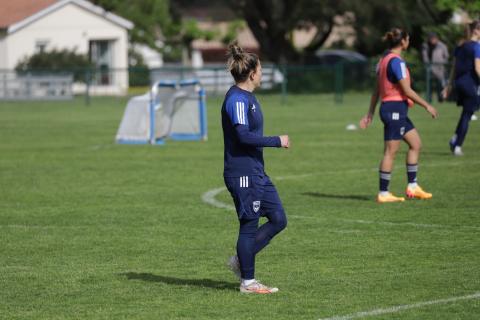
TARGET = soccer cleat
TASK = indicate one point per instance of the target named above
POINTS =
(234, 265)
(257, 287)
(457, 151)
(417, 193)
(389, 198)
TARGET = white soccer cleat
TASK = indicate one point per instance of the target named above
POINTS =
(234, 265)
(458, 151)
(258, 288)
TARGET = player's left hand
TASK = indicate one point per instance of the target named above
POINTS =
(366, 121)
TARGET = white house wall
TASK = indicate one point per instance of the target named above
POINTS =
(71, 27)
(3, 53)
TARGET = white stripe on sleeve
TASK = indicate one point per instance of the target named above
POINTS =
(238, 112)
(243, 112)
(404, 70)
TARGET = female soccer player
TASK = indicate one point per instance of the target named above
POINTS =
(466, 71)
(393, 88)
(252, 191)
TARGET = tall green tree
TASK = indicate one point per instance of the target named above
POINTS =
(470, 6)
(375, 17)
(156, 20)
(152, 18)
(273, 22)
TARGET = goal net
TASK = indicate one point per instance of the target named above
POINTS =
(172, 109)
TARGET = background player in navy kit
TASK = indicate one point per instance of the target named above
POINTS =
(394, 90)
(466, 72)
(252, 191)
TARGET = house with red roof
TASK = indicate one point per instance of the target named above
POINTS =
(30, 26)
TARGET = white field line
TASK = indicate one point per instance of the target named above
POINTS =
(209, 198)
(400, 308)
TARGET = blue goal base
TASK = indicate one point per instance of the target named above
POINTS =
(158, 142)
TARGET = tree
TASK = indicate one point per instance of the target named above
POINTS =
(159, 25)
(151, 18)
(273, 21)
(472, 7)
(375, 18)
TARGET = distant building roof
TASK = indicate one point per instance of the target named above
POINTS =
(19, 13)
(18, 10)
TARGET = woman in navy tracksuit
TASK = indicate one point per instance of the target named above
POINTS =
(252, 191)
(465, 76)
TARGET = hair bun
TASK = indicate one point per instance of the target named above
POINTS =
(235, 51)
(388, 36)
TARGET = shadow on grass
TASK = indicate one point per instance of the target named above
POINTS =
(438, 153)
(337, 196)
(204, 283)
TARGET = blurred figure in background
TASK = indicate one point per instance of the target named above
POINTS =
(435, 55)
(465, 77)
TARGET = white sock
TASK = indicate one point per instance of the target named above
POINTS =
(248, 282)
(383, 193)
(412, 185)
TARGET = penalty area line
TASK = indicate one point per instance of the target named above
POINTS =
(396, 309)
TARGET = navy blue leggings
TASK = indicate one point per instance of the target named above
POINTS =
(462, 126)
(252, 239)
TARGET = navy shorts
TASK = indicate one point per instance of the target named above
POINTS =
(395, 120)
(254, 196)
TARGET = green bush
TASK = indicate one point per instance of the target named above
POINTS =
(56, 61)
(138, 72)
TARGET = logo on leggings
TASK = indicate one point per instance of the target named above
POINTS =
(256, 206)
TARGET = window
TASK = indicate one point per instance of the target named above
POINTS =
(102, 57)
(41, 46)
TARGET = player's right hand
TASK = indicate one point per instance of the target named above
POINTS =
(365, 121)
(285, 141)
(433, 112)
(446, 92)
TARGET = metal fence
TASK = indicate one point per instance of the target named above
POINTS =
(28, 86)
(336, 79)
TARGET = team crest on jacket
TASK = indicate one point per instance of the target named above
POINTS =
(256, 206)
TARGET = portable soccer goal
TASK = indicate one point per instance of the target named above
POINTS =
(170, 110)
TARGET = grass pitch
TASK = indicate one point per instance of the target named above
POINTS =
(94, 230)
